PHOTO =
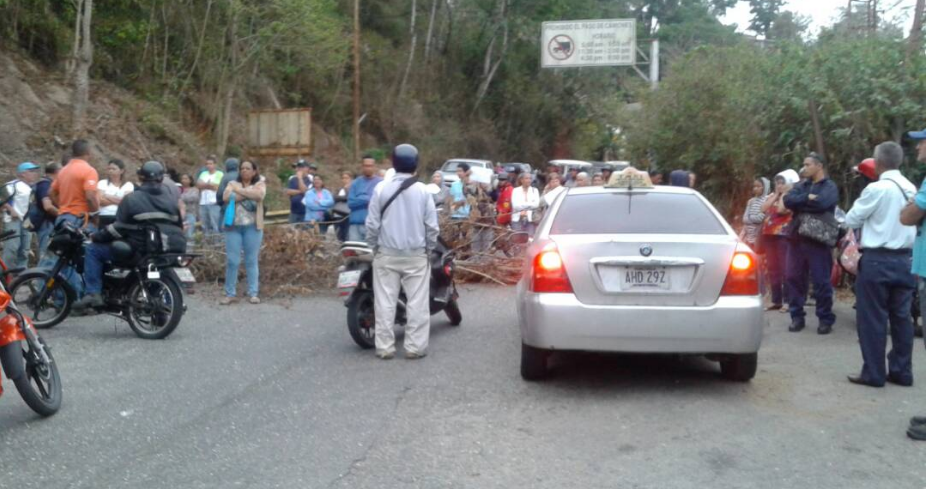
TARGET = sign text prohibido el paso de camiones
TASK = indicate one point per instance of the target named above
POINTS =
(574, 43)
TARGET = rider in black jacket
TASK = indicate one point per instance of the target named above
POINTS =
(149, 204)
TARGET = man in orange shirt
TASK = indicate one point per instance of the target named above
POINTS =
(74, 191)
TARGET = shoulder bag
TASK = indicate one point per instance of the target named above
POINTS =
(821, 228)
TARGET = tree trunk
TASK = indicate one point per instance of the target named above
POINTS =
(84, 61)
(817, 130)
(199, 48)
(490, 68)
(915, 41)
(71, 64)
(427, 41)
(411, 51)
(231, 86)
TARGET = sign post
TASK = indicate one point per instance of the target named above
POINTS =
(577, 43)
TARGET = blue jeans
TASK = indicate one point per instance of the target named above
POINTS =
(191, 222)
(69, 273)
(808, 257)
(248, 239)
(44, 235)
(96, 256)
(523, 226)
(296, 218)
(357, 232)
(885, 293)
(210, 216)
(16, 250)
(776, 257)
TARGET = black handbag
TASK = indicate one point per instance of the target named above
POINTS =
(821, 228)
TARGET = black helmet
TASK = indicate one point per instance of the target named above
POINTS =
(405, 158)
(151, 171)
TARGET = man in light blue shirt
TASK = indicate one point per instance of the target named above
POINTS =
(885, 286)
(913, 214)
(460, 205)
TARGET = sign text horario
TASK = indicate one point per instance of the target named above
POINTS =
(575, 43)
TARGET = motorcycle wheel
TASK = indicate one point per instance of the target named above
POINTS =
(54, 308)
(453, 313)
(40, 387)
(153, 312)
(361, 320)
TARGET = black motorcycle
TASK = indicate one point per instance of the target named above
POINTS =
(142, 288)
(355, 283)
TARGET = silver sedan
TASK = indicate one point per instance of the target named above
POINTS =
(641, 270)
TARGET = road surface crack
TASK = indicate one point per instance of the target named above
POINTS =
(357, 462)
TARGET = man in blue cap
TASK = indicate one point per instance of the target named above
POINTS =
(401, 225)
(913, 215)
(15, 214)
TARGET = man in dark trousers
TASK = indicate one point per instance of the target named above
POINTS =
(815, 195)
(884, 286)
(913, 215)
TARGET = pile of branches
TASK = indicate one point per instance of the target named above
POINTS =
(297, 260)
(483, 251)
(293, 261)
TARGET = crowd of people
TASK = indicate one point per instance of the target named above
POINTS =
(794, 223)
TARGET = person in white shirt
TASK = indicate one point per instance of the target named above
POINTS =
(209, 209)
(524, 200)
(16, 251)
(112, 190)
(554, 188)
(885, 286)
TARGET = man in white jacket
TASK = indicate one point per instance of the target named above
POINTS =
(524, 200)
(402, 228)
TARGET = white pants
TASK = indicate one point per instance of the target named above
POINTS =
(390, 275)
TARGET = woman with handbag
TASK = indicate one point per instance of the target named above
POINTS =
(774, 237)
(244, 230)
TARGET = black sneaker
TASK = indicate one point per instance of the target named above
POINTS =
(796, 325)
(825, 329)
(89, 301)
(917, 432)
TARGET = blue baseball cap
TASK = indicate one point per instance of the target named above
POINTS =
(917, 134)
(27, 166)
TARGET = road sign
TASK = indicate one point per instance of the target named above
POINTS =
(575, 43)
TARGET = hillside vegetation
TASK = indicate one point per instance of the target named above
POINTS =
(174, 78)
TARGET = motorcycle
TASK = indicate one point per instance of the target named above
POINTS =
(355, 283)
(143, 289)
(24, 356)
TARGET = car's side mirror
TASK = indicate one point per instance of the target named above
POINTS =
(519, 238)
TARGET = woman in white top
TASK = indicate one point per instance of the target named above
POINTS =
(112, 190)
(524, 200)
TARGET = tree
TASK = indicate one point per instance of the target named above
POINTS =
(764, 14)
(83, 50)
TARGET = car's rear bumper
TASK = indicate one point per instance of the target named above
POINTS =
(561, 322)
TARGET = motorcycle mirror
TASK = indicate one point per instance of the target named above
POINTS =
(519, 238)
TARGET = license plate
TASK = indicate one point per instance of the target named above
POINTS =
(348, 280)
(185, 275)
(645, 278)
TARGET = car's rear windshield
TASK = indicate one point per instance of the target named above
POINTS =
(635, 213)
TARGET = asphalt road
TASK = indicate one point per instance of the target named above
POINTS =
(277, 395)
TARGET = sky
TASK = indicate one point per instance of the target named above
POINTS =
(825, 12)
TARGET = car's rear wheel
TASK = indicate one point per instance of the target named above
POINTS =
(534, 363)
(740, 368)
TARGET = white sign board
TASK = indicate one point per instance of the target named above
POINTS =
(575, 43)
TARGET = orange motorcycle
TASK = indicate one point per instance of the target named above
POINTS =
(24, 356)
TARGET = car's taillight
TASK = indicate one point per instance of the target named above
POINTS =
(549, 272)
(743, 276)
